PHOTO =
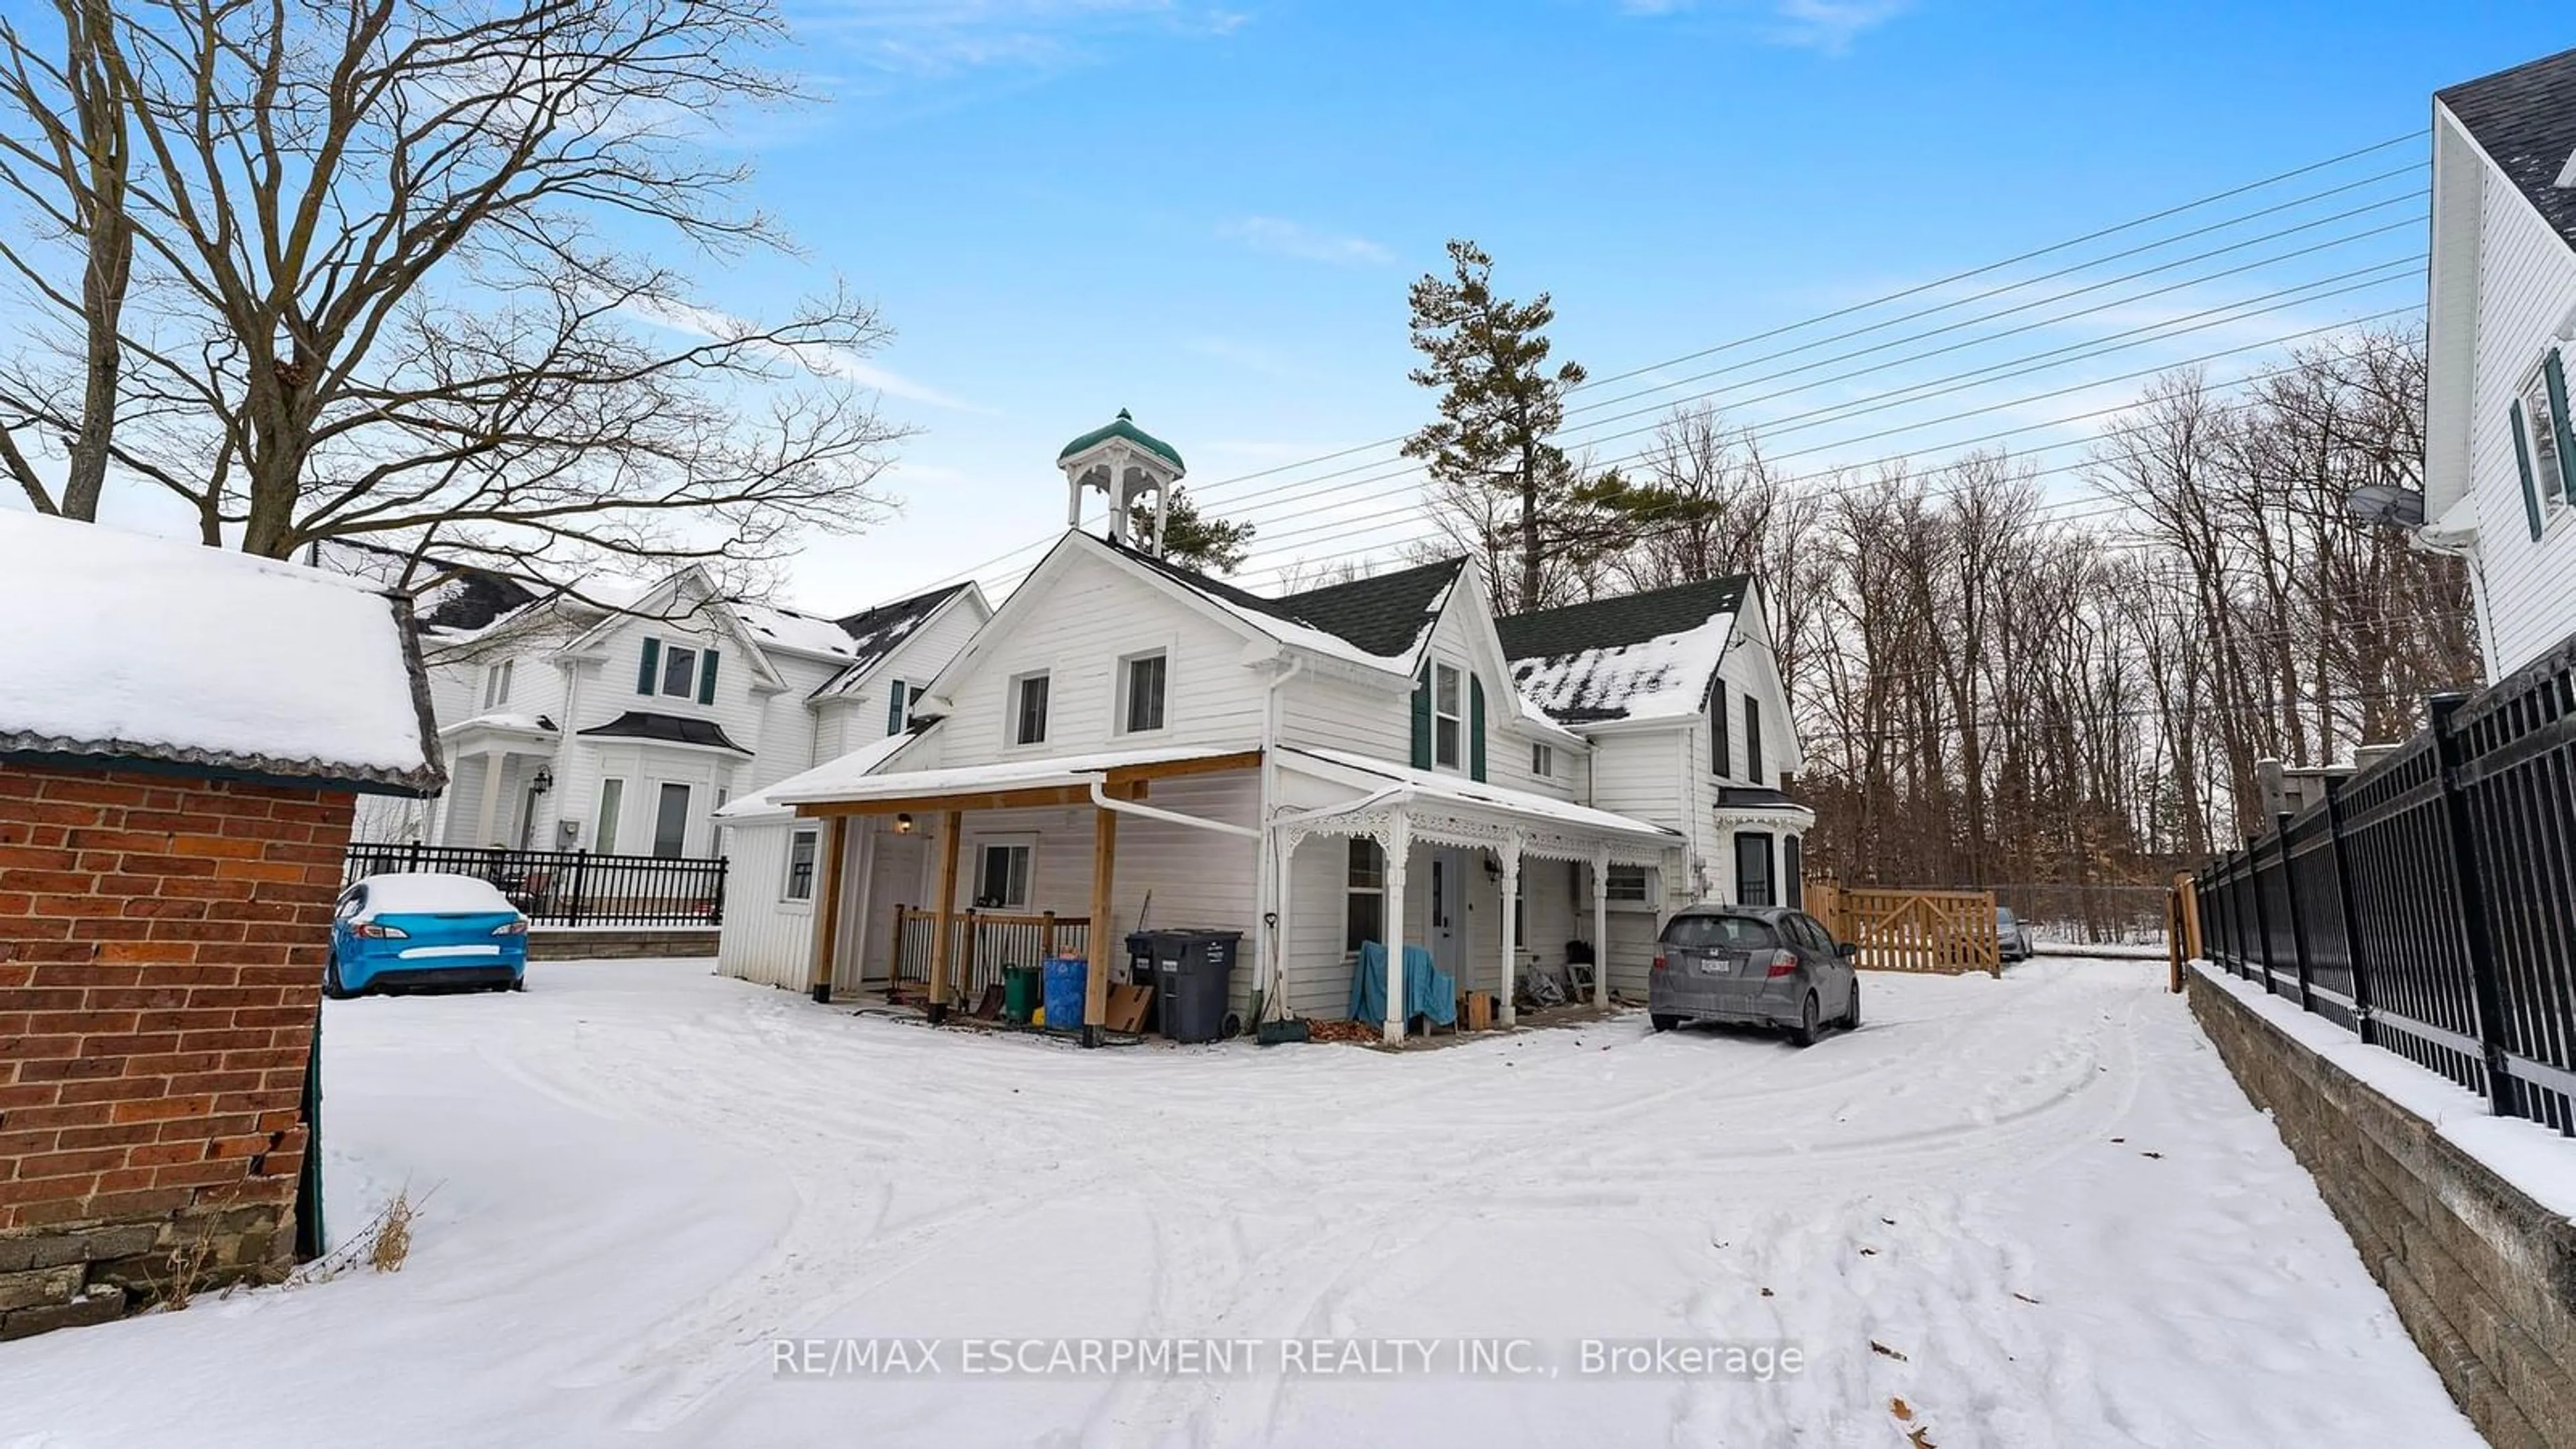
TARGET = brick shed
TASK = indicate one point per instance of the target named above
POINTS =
(181, 748)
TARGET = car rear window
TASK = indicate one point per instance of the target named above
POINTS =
(1702, 933)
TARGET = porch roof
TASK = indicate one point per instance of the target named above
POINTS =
(1457, 795)
(1000, 783)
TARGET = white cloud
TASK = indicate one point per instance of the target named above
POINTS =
(1295, 239)
(833, 362)
(1831, 25)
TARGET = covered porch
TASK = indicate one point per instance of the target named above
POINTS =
(933, 881)
(1479, 878)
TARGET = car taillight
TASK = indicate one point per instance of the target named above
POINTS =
(1783, 963)
(1659, 963)
(515, 928)
(375, 931)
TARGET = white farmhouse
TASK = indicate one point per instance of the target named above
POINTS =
(2500, 459)
(620, 724)
(1128, 742)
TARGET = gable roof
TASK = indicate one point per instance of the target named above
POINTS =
(873, 634)
(1384, 615)
(1638, 656)
(2525, 120)
(271, 670)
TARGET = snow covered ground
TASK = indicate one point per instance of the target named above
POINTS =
(2044, 1192)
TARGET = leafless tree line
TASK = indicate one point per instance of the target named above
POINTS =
(1998, 682)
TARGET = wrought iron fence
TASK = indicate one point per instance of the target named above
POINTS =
(2428, 903)
(568, 887)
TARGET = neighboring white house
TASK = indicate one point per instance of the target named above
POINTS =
(619, 725)
(1127, 741)
(2500, 461)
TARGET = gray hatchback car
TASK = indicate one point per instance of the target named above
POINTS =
(1753, 965)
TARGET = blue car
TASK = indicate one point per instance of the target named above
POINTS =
(425, 929)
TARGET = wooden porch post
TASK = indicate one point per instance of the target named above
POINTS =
(1601, 926)
(1104, 880)
(952, 828)
(1398, 843)
(827, 909)
(1503, 1011)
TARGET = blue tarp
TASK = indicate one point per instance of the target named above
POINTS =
(1428, 991)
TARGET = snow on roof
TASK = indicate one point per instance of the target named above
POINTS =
(805, 633)
(535, 724)
(1660, 678)
(876, 633)
(834, 782)
(1428, 784)
(764, 804)
(426, 892)
(178, 653)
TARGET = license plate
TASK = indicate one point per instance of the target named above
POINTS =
(1713, 965)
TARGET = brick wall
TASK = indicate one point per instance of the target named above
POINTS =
(2483, 1277)
(161, 949)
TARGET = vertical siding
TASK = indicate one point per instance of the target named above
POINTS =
(2526, 290)
(764, 938)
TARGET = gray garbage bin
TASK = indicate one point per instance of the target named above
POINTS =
(1193, 978)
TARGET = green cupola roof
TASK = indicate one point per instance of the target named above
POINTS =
(1124, 427)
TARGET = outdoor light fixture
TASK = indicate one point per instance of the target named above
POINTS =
(1493, 870)
(544, 781)
(903, 825)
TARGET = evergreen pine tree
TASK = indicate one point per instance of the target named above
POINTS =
(1499, 403)
(1193, 539)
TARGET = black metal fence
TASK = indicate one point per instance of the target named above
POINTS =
(2428, 904)
(568, 887)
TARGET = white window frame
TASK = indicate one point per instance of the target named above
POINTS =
(1455, 716)
(1125, 722)
(496, 683)
(1011, 721)
(1351, 890)
(1025, 843)
(2549, 477)
(612, 815)
(1616, 889)
(812, 839)
(673, 651)
(1543, 760)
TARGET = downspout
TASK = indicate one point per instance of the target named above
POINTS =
(1267, 887)
(1100, 797)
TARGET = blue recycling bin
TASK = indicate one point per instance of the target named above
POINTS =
(1068, 980)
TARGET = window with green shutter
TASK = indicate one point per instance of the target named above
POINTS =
(2562, 436)
(898, 701)
(649, 677)
(1475, 728)
(707, 677)
(2522, 461)
(1422, 718)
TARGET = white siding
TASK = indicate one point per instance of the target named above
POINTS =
(1095, 615)
(2526, 290)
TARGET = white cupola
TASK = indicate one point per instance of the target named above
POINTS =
(1125, 463)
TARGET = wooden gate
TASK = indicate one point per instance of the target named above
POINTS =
(1949, 932)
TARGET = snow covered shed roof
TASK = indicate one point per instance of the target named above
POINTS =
(2525, 120)
(1640, 656)
(169, 653)
(875, 633)
(1383, 615)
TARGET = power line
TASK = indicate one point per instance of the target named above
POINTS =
(1919, 289)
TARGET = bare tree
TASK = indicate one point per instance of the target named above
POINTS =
(401, 272)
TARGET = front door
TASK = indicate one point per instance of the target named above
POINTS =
(1448, 910)
(671, 822)
(1753, 870)
(894, 879)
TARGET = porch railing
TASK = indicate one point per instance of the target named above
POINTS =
(2426, 904)
(980, 944)
(568, 887)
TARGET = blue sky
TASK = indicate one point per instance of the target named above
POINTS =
(1209, 213)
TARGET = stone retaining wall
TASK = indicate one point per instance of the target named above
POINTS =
(2483, 1277)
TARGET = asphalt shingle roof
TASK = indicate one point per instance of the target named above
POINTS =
(1646, 655)
(875, 633)
(1383, 614)
(1628, 619)
(2525, 118)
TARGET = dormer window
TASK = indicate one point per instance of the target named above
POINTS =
(1448, 723)
(679, 671)
(676, 670)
